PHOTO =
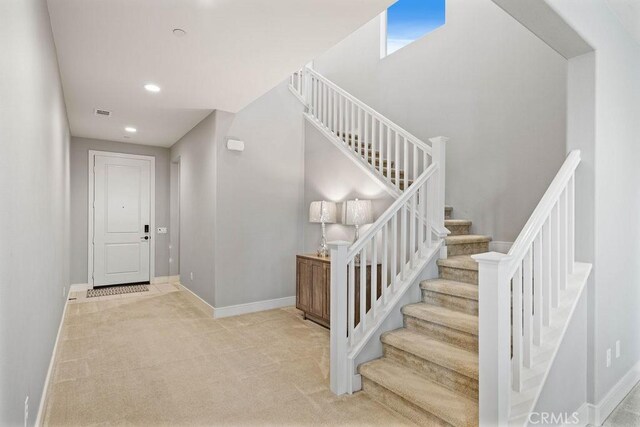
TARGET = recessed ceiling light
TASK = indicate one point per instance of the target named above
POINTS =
(179, 32)
(131, 129)
(152, 88)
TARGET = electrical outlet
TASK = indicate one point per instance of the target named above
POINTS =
(617, 349)
(26, 411)
(191, 275)
(608, 357)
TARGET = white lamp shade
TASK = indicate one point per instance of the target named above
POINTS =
(358, 212)
(322, 211)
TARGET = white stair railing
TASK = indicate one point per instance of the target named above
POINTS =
(519, 295)
(369, 277)
(396, 156)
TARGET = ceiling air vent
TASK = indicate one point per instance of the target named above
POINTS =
(100, 112)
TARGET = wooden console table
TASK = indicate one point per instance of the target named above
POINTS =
(313, 286)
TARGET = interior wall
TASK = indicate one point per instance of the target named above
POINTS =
(197, 212)
(614, 313)
(80, 148)
(240, 212)
(34, 188)
(486, 82)
(260, 193)
(330, 175)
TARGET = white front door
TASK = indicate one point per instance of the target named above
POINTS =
(122, 213)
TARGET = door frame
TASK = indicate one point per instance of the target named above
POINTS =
(90, 212)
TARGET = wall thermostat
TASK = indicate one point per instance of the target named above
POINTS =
(235, 145)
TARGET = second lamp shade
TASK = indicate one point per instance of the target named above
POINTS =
(358, 212)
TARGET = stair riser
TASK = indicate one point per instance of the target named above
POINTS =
(400, 405)
(452, 302)
(468, 248)
(443, 333)
(459, 275)
(439, 374)
(458, 230)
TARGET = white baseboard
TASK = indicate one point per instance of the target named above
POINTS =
(252, 307)
(502, 247)
(45, 388)
(80, 287)
(199, 302)
(599, 413)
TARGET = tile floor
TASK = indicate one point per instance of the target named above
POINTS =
(156, 359)
(627, 414)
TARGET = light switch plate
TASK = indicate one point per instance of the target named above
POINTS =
(162, 230)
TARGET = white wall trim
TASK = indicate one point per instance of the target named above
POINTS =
(502, 247)
(45, 388)
(599, 413)
(202, 304)
(79, 287)
(236, 310)
(252, 307)
(152, 214)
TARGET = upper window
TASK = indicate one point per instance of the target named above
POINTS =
(408, 20)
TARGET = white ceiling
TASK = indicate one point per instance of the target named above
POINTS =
(628, 11)
(233, 52)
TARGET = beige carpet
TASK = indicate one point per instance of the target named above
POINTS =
(159, 360)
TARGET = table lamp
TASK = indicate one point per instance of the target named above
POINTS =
(325, 213)
(358, 212)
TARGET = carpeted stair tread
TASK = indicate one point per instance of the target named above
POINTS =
(452, 319)
(438, 352)
(456, 222)
(445, 404)
(466, 239)
(464, 262)
(451, 287)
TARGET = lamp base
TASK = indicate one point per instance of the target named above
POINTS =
(356, 259)
(323, 249)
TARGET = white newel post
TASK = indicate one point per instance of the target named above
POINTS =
(339, 371)
(439, 155)
(494, 335)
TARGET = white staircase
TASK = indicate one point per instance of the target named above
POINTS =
(403, 240)
(525, 298)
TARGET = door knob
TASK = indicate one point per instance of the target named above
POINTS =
(145, 238)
